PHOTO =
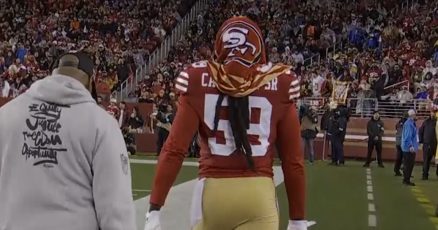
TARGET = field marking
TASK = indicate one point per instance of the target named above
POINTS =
(372, 219)
(141, 190)
(154, 162)
(371, 208)
(178, 202)
(425, 204)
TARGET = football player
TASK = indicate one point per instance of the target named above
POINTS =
(241, 105)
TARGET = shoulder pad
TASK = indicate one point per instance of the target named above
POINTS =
(294, 85)
(187, 76)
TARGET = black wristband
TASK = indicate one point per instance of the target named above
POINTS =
(154, 207)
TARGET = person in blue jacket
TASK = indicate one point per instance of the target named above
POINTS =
(409, 146)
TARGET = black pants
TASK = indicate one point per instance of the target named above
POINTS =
(378, 146)
(161, 138)
(428, 154)
(408, 166)
(337, 150)
(399, 159)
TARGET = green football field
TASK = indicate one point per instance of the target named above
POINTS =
(338, 198)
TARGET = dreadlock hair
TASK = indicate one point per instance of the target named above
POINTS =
(238, 115)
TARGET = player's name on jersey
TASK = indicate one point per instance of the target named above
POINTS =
(207, 81)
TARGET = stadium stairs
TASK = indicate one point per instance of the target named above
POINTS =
(160, 53)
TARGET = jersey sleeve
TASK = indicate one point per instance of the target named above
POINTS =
(289, 147)
(182, 82)
(290, 79)
(184, 127)
(189, 79)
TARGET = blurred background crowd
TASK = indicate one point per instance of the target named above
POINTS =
(363, 53)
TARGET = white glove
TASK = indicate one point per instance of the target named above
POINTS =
(152, 221)
(299, 224)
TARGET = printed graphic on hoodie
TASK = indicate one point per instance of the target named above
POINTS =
(41, 140)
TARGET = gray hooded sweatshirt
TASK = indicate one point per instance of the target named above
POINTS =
(63, 162)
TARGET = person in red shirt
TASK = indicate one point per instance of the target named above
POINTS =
(241, 106)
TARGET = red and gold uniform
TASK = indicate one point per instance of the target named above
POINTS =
(229, 194)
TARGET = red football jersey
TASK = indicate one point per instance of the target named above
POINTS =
(273, 120)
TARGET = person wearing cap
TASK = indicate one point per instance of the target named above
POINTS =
(63, 160)
(375, 130)
(409, 146)
(427, 137)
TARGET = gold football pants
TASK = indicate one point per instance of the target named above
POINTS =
(235, 204)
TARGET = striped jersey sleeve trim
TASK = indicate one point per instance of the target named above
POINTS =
(294, 90)
(182, 82)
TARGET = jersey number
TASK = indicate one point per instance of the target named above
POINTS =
(260, 130)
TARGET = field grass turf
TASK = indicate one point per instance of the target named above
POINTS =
(337, 196)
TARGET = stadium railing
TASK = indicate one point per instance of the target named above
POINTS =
(160, 52)
(365, 107)
(312, 60)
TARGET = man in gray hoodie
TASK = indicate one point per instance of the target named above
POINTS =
(63, 161)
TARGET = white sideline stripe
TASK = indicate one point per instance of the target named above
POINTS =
(372, 220)
(371, 208)
(141, 190)
(176, 212)
(359, 137)
(153, 162)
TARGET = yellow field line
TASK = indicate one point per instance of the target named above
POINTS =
(425, 203)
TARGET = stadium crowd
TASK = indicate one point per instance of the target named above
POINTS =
(119, 35)
(383, 54)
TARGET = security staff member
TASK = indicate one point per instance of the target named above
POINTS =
(338, 135)
(409, 146)
(375, 130)
(324, 127)
(427, 137)
(398, 137)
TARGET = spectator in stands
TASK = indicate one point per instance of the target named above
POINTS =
(135, 121)
(118, 38)
(99, 102)
(123, 116)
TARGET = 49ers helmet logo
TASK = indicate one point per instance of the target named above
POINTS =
(242, 42)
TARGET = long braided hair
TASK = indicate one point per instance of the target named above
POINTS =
(238, 115)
